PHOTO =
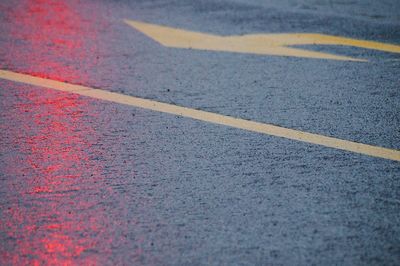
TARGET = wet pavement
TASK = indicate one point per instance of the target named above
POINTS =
(91, 182)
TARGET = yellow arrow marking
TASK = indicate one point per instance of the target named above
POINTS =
(262, 128)
(264, 44)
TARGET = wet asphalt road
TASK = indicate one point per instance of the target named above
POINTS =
(90, 182)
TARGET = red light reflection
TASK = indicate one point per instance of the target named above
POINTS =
(60, 214)
(51, 39)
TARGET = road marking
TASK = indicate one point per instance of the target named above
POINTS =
(263, 44)
(205, 116)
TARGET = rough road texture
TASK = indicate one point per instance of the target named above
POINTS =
(87, 182)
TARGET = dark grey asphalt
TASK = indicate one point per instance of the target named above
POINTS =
(87, 182)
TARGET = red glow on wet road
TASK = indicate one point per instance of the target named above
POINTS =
(59, 216)
(52, 37)
(53, 227)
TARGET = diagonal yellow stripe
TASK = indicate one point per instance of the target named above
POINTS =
(267, 129)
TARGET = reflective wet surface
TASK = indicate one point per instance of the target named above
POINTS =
(90, 182)
(54, 182)
(58, 209)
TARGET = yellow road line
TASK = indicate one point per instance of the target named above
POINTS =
(263, 44)
(267, 129)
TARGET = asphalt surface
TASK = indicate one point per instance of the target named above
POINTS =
(91, 182)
